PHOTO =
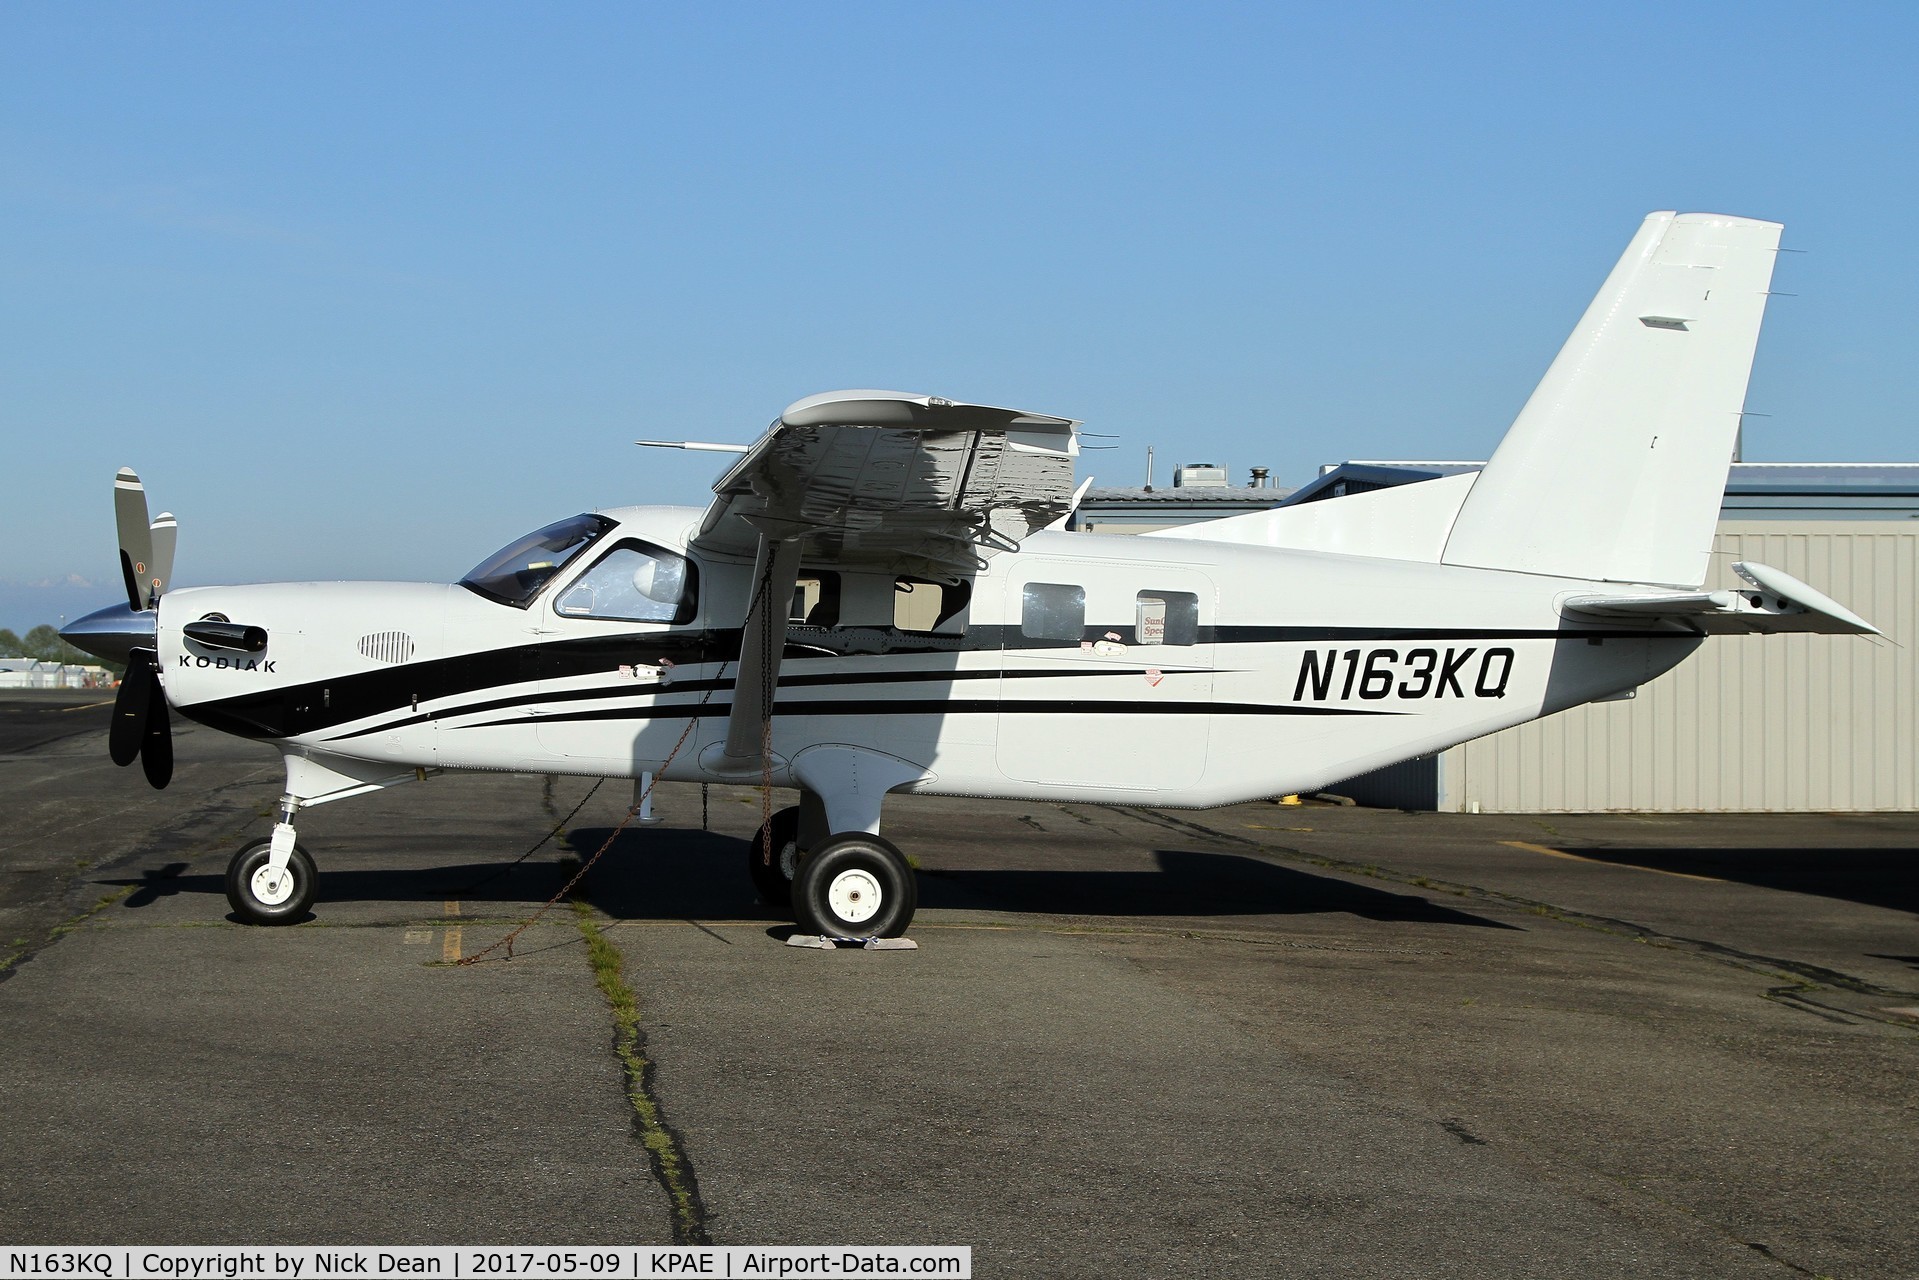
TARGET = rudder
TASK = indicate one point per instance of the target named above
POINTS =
(1615, 468)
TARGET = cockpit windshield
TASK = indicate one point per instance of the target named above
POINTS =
(515, 573)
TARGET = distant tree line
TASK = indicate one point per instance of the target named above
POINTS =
(44, 643)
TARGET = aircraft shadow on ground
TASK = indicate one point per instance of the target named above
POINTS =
(1871, 877)
(671, 874)
(681, 881)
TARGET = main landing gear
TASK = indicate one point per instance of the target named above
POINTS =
(855, 886)
(772, 860)
(850, 885)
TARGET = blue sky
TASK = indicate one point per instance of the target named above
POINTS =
(365, 290)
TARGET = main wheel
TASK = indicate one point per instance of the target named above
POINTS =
(775, 880)
(854, 886)
(260, 897)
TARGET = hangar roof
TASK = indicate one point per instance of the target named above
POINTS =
(1754, 491)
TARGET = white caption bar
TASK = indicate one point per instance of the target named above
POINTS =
(485, 1262)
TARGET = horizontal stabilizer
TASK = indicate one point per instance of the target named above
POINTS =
(1777, 602)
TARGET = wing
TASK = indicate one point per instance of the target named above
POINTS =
(878, 479)
(918, 484)
(1779, 602)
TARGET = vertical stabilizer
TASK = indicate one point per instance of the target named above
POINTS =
(1615, 468)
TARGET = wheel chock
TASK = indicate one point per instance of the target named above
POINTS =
(818, 942)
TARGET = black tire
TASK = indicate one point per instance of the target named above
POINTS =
(775, 882)
(249, 899)
(855, 886)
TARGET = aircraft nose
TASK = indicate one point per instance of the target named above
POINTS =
(113, 632)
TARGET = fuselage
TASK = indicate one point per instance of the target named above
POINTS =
(1175, 672)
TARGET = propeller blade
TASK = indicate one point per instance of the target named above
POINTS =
(136, 537)
(131, 707)
(156, 754)
(166, 534)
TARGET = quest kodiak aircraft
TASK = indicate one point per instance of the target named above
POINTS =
(881, 598)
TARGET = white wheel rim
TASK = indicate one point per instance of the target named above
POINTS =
(272, 890)
(854, 896)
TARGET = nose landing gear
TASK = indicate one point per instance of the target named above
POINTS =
(271, 880)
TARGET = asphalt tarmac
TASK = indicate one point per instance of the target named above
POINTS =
(1263, 1040)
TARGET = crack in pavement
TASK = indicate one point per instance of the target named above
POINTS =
(665, 1148)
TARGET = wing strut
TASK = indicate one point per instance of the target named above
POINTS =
(776, 570)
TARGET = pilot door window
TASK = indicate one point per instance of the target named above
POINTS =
(1052, 611)
(1168, 617)
(632, 584)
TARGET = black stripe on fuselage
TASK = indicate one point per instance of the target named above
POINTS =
(317, 705)
(658, 689)
(939, 707)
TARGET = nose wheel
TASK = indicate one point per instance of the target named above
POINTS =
(854, 885)
(261, 893)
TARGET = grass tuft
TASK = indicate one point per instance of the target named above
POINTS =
(669, 1162)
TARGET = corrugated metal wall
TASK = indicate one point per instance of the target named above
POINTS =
(1749, 722)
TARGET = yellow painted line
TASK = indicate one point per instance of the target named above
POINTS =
(1631, 866)
(88, 706)
(452, 907)
(450, 949)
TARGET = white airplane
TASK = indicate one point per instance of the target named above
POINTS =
(882, 599)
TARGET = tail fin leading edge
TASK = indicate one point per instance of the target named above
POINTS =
(1615, 468)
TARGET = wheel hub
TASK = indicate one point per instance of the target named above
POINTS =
(272, 887)
(855, 895)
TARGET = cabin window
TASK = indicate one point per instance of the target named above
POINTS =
(816, 599)
(1168, 617)
(1053, 611)
(633, 583)
(923, 606)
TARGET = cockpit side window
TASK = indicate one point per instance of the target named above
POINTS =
(515, 573)
(634, 582)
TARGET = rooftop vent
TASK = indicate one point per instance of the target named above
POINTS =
(1199, 475)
